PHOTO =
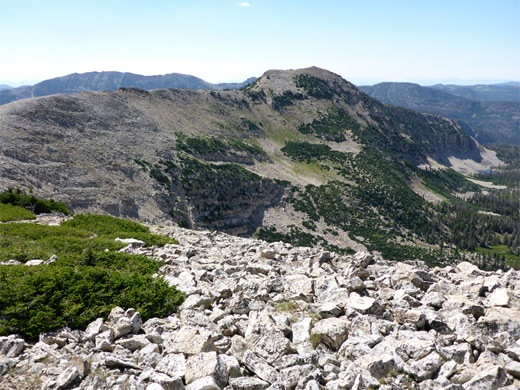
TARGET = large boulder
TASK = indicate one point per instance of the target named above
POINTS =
(189, 340)
(331, 332)
(266, 338)
(206, 364)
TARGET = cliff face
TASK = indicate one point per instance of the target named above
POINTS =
(219, 160)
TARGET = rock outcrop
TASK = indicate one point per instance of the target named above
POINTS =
(271, 316)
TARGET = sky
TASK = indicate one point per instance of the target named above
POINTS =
(364, 41)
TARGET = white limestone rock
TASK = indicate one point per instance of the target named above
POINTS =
(11, 346)
(134, 342)
(330, 331)
(113, 361)
(260, 367)
(190, 341)
(132, 242)
(122, 327)
(299, 284)
(414, 317)
(290, 376)
(232, 366)
(362, 259)
(500, 297)
(206, 364)
(265, 337)
(301, 333)
(205, 383)
(424, 368)
(248, 383)
(66, 378)
(379, 366)
(364, 305)
(489, 379)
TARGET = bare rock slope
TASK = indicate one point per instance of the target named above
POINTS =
(273, 316)
(300, 155)
(109, 152)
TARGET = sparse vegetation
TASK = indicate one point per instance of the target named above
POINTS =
(314, 86)
(394, 217)
(307, 152)
(143, 164)
(287, 98)
(228, 148)
(295, 236)
(445, 182)
(508, 175)
(19, 197)
(332, 126)
(86, 281)
(8, 213)
(201, 145)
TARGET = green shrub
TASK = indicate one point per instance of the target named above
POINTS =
(295, 236)
(230, 146)
(25, 241)
(157, 174)
(18, 197)
(39, 299)
(240, 145)
(143, 164)
(86, 282)
(104, 224)
(331, 126)
(314, 86)
(200, 145)
(9, 212)
(287, 98)
(307, 152)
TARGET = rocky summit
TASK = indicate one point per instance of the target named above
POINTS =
(301, 156)
(263, 315)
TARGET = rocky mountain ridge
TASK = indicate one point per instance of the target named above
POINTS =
(111, 81)
(273, 316)
(490, 121)
(302, 151)
(503, 92)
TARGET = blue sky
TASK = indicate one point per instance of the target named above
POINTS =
(365, 41)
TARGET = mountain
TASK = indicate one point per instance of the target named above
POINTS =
(504, 92)
(489, 122)
(111, 81)
(4, 86)
(224, 86)
(301, 156)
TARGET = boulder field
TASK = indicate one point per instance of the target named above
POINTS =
(271, 316)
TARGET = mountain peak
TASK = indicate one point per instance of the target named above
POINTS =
(310, 81)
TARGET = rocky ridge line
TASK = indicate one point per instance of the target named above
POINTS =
(271, 316)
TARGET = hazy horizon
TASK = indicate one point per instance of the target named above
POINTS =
(426, 42)
(358, 81)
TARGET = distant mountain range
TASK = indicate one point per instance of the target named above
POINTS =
(490, 113)
(110, 81)
(505, 92)
(4, 86)
(489, 121)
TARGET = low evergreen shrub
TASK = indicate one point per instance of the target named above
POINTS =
(9, 212)
(88, 279)
(18, 197)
